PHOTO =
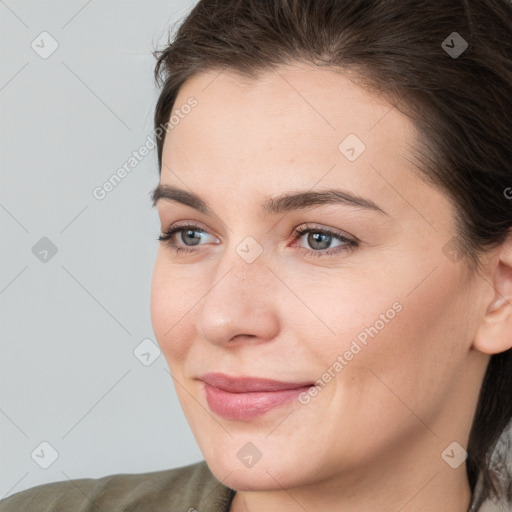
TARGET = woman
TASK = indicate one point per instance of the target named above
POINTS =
(333, 288)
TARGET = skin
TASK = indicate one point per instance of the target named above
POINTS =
(372, 438)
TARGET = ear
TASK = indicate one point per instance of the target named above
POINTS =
(494, 334)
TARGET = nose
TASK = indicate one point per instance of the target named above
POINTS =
(239, 306)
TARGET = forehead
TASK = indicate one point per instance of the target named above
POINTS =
(287, 110)
(284, 113)
(291, 128)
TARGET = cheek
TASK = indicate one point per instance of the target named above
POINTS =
(411, 346)
(403, 373)
(170, 309)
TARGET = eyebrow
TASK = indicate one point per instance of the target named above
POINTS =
(271, 205)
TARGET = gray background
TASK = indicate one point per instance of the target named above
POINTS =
(70, 324)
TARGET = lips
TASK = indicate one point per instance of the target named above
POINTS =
(248, 384)
(244, 398)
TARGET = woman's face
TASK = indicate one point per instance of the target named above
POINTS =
(371, 303)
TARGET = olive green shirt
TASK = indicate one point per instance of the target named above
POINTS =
(186, 489)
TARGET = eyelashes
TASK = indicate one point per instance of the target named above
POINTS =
(326, 235)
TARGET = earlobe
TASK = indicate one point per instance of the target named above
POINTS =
(494, 334)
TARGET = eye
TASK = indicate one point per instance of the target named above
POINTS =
(188, 233)
(321, 240)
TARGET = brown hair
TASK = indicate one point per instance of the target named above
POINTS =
(461, 106)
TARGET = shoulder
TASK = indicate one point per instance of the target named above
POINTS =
(184, 488)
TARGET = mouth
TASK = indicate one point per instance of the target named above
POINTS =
(244, 398)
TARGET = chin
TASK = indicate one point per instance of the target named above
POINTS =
(246, 480)
(260, 477)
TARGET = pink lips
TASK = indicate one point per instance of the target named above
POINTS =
(243, 398)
